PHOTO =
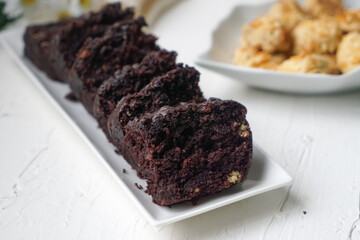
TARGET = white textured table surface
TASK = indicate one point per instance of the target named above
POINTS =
(53, 187)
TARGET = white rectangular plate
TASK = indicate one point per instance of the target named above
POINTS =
(264, 174)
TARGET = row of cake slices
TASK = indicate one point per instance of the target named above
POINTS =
(149, 107)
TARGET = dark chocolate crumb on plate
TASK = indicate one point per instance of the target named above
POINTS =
(139, 186)
(194, 202)
(304, 212)
(124, 170)
(71, 97)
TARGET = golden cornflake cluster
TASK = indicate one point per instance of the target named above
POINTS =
(324, 37)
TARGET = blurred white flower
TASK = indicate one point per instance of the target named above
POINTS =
(51, 10)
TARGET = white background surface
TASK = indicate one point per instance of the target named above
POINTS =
(53, 187)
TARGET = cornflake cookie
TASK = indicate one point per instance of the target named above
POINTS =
(349, 21)
(289, 13)
(267, 34)
(310, 63)
(348, 53)
(253, 57)
(325, 8)
(316, 36)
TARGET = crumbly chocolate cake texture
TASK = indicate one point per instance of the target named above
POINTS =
(130, 79)
(191, 150)
(69, 39)
(149, 107)
(53, 47)
(38, 46)
(176, 86)
(99, 58)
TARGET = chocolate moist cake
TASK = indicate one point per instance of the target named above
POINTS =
(98, 58)
(178, 85)
(150, 108)
(191, 150)
(130, 79)
(53, 47)
(69, 39)
(38, 46)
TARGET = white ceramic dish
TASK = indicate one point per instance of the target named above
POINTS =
(264, 175)
(225, 39)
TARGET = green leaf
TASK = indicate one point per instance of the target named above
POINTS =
(4, 17)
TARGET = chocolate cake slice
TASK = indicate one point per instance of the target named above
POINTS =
(131, 79)
(178, 85)
(38, 46)
(99, 58)
(69, 39)
(191, 150)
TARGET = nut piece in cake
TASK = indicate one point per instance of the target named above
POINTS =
(234, 177)
(348, 54)
(325, 8)
(349, 21)
(288, 12)
(267, 34)
(310, 63)
(253, 57)
(316, 36)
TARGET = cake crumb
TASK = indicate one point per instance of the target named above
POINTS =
(194, 202)
(71, 97)
(304, 212)
(124, 171)
(116, 151)
(139, 186)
